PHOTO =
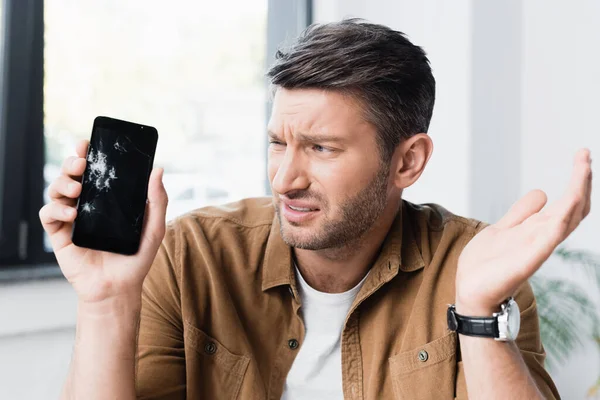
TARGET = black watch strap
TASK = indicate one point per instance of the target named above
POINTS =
(473, 326)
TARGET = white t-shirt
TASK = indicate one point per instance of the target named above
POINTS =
(317, 369)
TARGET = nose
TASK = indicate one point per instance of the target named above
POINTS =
(290, 172)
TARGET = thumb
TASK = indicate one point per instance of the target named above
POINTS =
(156, 211)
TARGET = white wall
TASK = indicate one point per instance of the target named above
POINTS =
(37, 330)
(518, 85)
(561, 104)
(34, 366)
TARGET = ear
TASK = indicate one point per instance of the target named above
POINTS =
(410, 158)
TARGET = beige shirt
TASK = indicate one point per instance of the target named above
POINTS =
(220, 316)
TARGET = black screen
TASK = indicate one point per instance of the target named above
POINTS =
(111, 206)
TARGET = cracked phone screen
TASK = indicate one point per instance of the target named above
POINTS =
(111, 206)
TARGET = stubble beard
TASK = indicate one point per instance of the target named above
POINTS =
(357, 217)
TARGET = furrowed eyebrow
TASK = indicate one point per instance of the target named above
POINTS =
(273, 135)
(318, 138)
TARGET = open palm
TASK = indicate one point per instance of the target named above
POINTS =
(504, 255)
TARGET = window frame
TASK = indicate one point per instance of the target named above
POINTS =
(22, 155)
(22, 253)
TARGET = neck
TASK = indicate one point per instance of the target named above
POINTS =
(339, 269)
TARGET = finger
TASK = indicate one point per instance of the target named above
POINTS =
(53, 215)
(57, 220)
(74, 167)
(525, 207)
(588, 189)
(588, 206)
(81, 148)
(63, 186)
(569, 209)
(580, 176)
(56, 212)
(156, 210)
(580, 181)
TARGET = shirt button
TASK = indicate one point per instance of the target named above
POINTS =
(423, 356)
(293, 344)
(210, 348)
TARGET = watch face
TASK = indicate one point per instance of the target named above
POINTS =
(514, 319)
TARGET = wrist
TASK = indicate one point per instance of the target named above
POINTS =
(474, 309)
(115, 306)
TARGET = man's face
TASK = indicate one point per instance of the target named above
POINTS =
(329, 186)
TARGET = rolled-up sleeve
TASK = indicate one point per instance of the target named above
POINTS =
(160, 362)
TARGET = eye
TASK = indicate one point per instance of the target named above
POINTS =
(320, 149)
(275, 142)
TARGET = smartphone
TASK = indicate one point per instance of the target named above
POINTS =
(112, 204)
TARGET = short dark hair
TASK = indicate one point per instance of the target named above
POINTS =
(378, 66)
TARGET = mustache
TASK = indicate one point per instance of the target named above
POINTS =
(301, 195)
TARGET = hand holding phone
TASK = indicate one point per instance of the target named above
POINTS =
(112, 203)
(95, 274)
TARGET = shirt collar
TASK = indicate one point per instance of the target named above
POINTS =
(399, 252)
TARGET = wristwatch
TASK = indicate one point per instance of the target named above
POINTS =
(503, 326)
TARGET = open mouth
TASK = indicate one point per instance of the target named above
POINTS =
(301, 209)
(297, 214)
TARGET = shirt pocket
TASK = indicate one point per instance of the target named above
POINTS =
(213, 372)
(426, 372)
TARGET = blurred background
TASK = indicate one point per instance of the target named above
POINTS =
(517, 95)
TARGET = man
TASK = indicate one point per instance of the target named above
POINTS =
(336, 287)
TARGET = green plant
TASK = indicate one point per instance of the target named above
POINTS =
(567, 314)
